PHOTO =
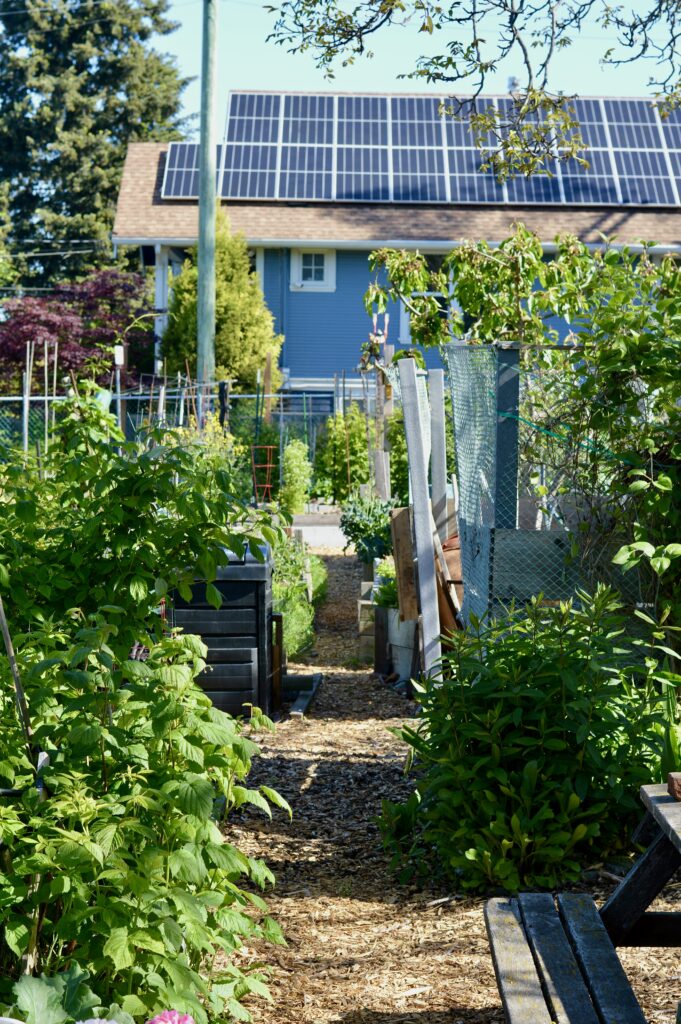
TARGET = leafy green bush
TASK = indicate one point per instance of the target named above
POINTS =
(123, 870)
(385, 595)
(244, 326)
(532, 751)
(126, 851)
(297, 474)
(341, 457)
(290, 596)
(399, 463)
(366, 524)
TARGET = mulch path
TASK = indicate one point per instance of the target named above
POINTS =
(363, 949)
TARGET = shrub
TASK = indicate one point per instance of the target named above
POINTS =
(341, 458)
(290, 595)
(244, 326)
(533, 750)
(126, 851)
(399, 463)
(297, 477)
(366, 524)
(123, 870)
(87, 318)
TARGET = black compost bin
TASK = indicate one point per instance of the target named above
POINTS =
(238, 635)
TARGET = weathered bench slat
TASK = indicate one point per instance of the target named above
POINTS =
(601, 968)
(517, 977)
(564, 986)
(665, 810)
(656, 928)
(648, 876)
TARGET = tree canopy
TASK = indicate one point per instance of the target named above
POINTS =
(78, 82)
(244, 327)
(467, 41)
(84, 320)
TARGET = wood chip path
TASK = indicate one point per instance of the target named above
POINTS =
(363, 949)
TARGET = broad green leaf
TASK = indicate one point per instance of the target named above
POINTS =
(213, 595)
(276, 799)
(139, 590)
(118, 948)
(196, 796)
(38, 1001)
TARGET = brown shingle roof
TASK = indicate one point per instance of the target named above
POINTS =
(142, 216)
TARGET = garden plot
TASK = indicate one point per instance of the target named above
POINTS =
(363, 948)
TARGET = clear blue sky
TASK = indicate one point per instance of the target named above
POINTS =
(247, 61)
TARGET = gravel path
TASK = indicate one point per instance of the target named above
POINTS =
(363, 949)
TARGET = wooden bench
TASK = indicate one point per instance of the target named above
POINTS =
(555, 963)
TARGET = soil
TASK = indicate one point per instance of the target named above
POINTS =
(363, 949)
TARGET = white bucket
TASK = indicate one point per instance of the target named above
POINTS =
(401, 640)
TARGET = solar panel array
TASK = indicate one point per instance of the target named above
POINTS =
(405, 149)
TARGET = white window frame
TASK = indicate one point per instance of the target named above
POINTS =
(329, 282)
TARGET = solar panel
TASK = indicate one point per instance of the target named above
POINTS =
(181, 175)
(330, 147)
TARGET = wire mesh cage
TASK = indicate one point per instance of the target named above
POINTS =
(535, 515)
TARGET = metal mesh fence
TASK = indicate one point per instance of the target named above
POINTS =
(534, 507)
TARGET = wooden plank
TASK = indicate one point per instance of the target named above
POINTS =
(646, 830)
(229, 677)
(426, 585)
(656, 928)
(608, 984)
(438, 455)
(636, 892)
(277, 660)
(235, 594)
(403, 554)
(381, 653)
(227, 655)
(564, 987)
(231, 622)
(517, 978)
(665, 810)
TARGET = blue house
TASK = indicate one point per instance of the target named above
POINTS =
(315, 182)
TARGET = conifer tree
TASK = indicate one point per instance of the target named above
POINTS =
(79, 80)
(244, 326)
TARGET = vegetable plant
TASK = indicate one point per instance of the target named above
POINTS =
(297, 474)
(341, 461)
(124, 871)
(366, 524)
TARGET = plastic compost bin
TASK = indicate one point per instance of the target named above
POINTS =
(238, 635)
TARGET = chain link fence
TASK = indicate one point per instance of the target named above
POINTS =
(535, 514)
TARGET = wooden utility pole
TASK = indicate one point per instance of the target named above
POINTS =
(207, 203)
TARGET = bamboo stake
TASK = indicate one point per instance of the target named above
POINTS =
(46, 377)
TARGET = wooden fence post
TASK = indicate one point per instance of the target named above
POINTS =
(438, 455)
(417, 454)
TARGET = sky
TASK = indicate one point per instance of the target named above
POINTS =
(247, 61)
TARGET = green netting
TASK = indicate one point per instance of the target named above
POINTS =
(535, 509)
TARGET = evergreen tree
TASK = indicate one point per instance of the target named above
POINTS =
(78, 82)
(244, 326)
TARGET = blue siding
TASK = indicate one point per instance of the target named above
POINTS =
(323, 331)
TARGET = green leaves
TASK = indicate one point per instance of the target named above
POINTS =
(531, 754)
(39, 1002)
(195, 796)
(119, 948)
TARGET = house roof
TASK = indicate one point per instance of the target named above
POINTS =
(144, 218)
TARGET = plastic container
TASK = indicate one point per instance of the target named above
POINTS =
(401, 640)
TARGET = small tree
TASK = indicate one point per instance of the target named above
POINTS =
(86, 319)
(244, 326)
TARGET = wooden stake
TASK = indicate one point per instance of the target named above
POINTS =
(19, 695)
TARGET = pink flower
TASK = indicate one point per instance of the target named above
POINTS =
(171, 1017)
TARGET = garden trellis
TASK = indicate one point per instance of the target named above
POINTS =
(533, 512)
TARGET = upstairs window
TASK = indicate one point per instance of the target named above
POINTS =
(313, 270)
